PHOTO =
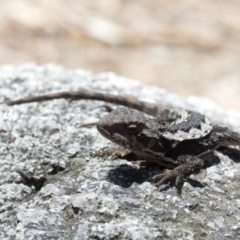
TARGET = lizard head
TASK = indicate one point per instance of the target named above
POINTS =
(130, 129)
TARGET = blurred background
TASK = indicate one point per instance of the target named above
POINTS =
(189, 47)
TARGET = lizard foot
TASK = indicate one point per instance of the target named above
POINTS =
(192, 165)
(169, 176)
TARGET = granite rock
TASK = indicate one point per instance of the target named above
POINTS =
(74, 195)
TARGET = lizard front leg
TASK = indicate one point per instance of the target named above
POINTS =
(191, 164)
(116, 152)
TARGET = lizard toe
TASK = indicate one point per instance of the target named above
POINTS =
(168, 176)
(173, 176)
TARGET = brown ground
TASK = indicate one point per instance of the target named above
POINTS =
(189, 47)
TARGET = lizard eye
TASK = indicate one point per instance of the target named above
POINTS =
(134, 128)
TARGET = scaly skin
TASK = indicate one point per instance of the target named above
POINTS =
(179, 140)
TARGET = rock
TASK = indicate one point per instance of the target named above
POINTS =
(85, 197)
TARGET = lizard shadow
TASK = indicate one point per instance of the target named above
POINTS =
(125, 175)
(232, 153)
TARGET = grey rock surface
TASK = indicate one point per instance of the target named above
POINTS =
(74, 195)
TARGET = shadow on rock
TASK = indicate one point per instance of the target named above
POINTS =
(125, 175)
(232, 153)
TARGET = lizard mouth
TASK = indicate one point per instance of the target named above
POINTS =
(115, 137)
(104, 132)
(119, 139)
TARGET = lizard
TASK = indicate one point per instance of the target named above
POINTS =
(179, 140)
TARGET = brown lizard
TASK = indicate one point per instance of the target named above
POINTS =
(179, 140)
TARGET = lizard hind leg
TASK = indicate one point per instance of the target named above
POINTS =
(191, 165)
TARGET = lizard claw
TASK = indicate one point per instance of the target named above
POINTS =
(169, 176)
(191, 165)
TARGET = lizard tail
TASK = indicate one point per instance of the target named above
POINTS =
(227, 137)
(128, 101)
